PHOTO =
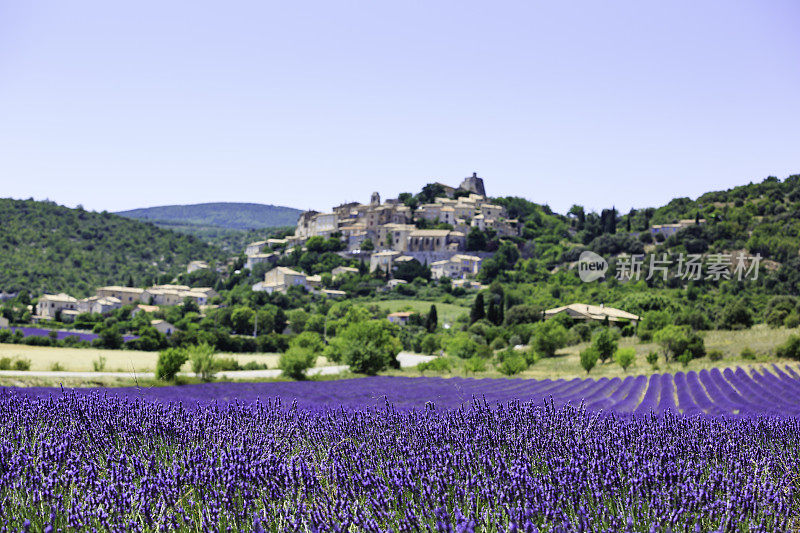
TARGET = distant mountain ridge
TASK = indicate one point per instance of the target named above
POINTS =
(228, 215)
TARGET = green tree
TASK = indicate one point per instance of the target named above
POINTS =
(203, 359)
(548, 337)
(461, 345)
(367, 245)
(296, 361)
(432, 320)
(308, 340)
(605, 342)
(513, 364)
(242, 319)
(169, 363)
(369, 347)
(625, 357)
(478, 311)
(589, 358)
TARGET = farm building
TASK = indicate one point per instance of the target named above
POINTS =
(592, 312)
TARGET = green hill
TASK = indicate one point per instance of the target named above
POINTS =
(229, 215)
(50, 248)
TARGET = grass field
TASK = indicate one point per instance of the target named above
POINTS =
(81, 359)
(566, 364)
(447, 313)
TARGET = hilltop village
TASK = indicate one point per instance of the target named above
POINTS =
(395, 231)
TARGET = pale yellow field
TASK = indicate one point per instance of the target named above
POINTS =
(80, 359)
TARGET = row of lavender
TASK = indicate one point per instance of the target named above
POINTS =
(76, 462)
(773, 391)
(63, 334)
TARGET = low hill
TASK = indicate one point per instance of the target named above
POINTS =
(228, 215)
(50, 248)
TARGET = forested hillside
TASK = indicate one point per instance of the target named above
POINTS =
(759, 218)
(240, 216)
(45, 247)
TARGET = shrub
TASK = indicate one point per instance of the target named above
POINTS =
(438, 364)
(475, 364)
(790, 349)
(531, 355)
(748, 353)
(514, 340)
(22, 364)
(684, 358)
(462, 345)
(549, 336)
(736, 315)
(308, 340)
(227, 363)
(430, 344)
(369, 346)
(625, 357)
(56, 367)
(652, 359)
(99, 364)
(253, 365)
(5, 363)
(792, 320)
(676, 340)
(513, 365)
(169, 363)
(498, 343)
(589, 358)
(204, 363)
(715, 355)
(605, 342)
(295, 361)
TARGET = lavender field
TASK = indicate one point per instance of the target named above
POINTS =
(772, 391)
(405, 454)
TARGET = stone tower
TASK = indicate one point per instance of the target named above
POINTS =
(375, 199)
(473, 184)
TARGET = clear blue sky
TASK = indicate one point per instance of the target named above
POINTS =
(118, 105)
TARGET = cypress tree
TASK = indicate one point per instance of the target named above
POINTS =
(433, 320)
(478, 312)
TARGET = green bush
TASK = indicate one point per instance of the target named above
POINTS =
(475, 364)
(605, 342)
(792, 320)
(589, 358)
(652, 359)
(531, 355)
(99, 364)
(430, 344)
(498, 343)
(790, 349)
(513, 365)
(5, 363)
(369, 346)
(295, 361)
(22, 364)
(204, 362)
(308, 340)
(169, 363)
(548, 337)
(438, 364)
(748, 353)
(461, 345)
(227, 363)
(684, 358)
(625, 357)
(56, 367)
(715, 355)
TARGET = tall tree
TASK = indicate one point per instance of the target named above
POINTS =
(478, 311)
(432, 322)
